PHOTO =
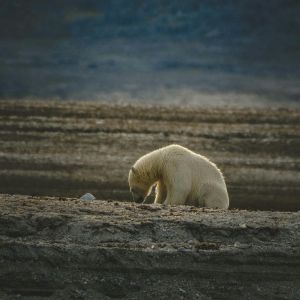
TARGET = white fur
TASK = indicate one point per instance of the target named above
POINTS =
(181, 177)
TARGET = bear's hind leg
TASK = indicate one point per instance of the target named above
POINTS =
(216, 197)
(178, 189)
(177, 196)
(176, 199)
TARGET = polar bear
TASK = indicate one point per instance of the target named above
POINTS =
(181, 177)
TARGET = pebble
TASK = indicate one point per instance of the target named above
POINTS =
(243, 226)
(241, 246)
(88, 197)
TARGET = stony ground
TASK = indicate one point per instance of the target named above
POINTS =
(65, 248)
(53, 245)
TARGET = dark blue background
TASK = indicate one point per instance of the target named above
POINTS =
(205, 50)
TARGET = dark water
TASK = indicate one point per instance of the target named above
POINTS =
(183, 52)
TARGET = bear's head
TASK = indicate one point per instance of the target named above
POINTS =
(139, 187)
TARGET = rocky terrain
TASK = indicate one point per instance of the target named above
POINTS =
(62, 248)
(54, 245)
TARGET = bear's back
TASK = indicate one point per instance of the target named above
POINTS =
(201, 167)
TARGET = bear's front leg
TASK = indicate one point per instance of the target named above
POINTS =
(161, 193)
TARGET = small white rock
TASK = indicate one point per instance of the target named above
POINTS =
(241, 246)
(88, 197)
(243, 225)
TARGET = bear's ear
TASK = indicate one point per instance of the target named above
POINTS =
(134, 170)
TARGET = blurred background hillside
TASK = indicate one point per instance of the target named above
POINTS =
(204, 52)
